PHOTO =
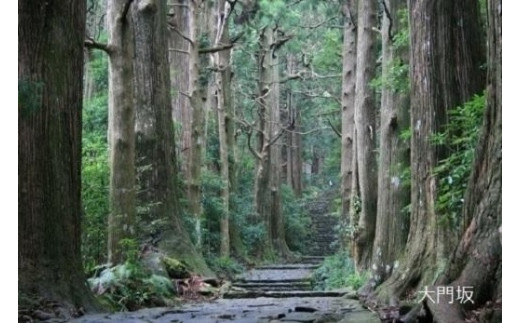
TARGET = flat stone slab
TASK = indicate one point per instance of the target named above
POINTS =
(269, 310)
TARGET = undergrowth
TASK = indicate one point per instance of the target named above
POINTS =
(337, 271)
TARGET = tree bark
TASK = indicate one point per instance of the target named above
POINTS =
(294, 137)
(222, 62)
(394, 153)
(348, 93)
(477, 261)
(180, 76)
(441, 78)
(50, 77)
(155, 137)
(262, 201)
(365, 120)
(277, 221)
(121, 130)
(196, 93)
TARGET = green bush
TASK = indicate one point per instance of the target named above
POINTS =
(338, 271)
(458, 140)
(297, 222)
(225, 267)
(94, 194)
(128, 287)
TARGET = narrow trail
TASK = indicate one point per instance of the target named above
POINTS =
(274, 293)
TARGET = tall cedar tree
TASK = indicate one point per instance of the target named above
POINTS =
(446, 55)
(50, 76)
(477, 261)
(394, 153)
(365, 121)
(155, 156)
(121, 119)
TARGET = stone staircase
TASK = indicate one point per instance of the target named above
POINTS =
(323, 223)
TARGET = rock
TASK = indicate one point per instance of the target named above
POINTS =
(213, 281)
(175, 268)
(44, 316)
(152, 260)
(299, 317)
(207, 290)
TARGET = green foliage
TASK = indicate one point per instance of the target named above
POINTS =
(338, 271)
(297, 222)
(225, 267)
(94, 194)
(129, 286)
(459, 138)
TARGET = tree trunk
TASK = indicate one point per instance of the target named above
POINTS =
(262, 201)
(294, 137)
(180, 76)
(365, 120)
(196, 92)
(394, 153)
(477, 261)
(155, 137)
(222, 61)
(444, 73)
(50, 65)
(348, 93)
(277, 221)
(121, 124)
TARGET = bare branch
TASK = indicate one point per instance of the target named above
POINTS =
(215, 49)
(318, 24)
(251, 149)
(390, 22)
(298, 75)
(318, 76)
(276, 137)
(314, 95)
(172, 27)
(185, 94)
(334, 128)
(279, 42)
(92, 44)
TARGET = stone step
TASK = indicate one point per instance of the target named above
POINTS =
(287, 266)
(302, 285)
(273, 281)
(284, 294)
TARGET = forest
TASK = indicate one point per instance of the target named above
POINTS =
(260, 161)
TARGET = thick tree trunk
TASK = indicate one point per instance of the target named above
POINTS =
(348, 93)
(444, 73)
(365, 120)
(277, 221)
(477, 261)
(394, 154)
(50, 65)
(121, 124)
(196, 93)
(155, 137)
(222, 61)
(180, 76)
(294, 138)
(262, 200)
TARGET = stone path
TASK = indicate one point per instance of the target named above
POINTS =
(275, 293)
